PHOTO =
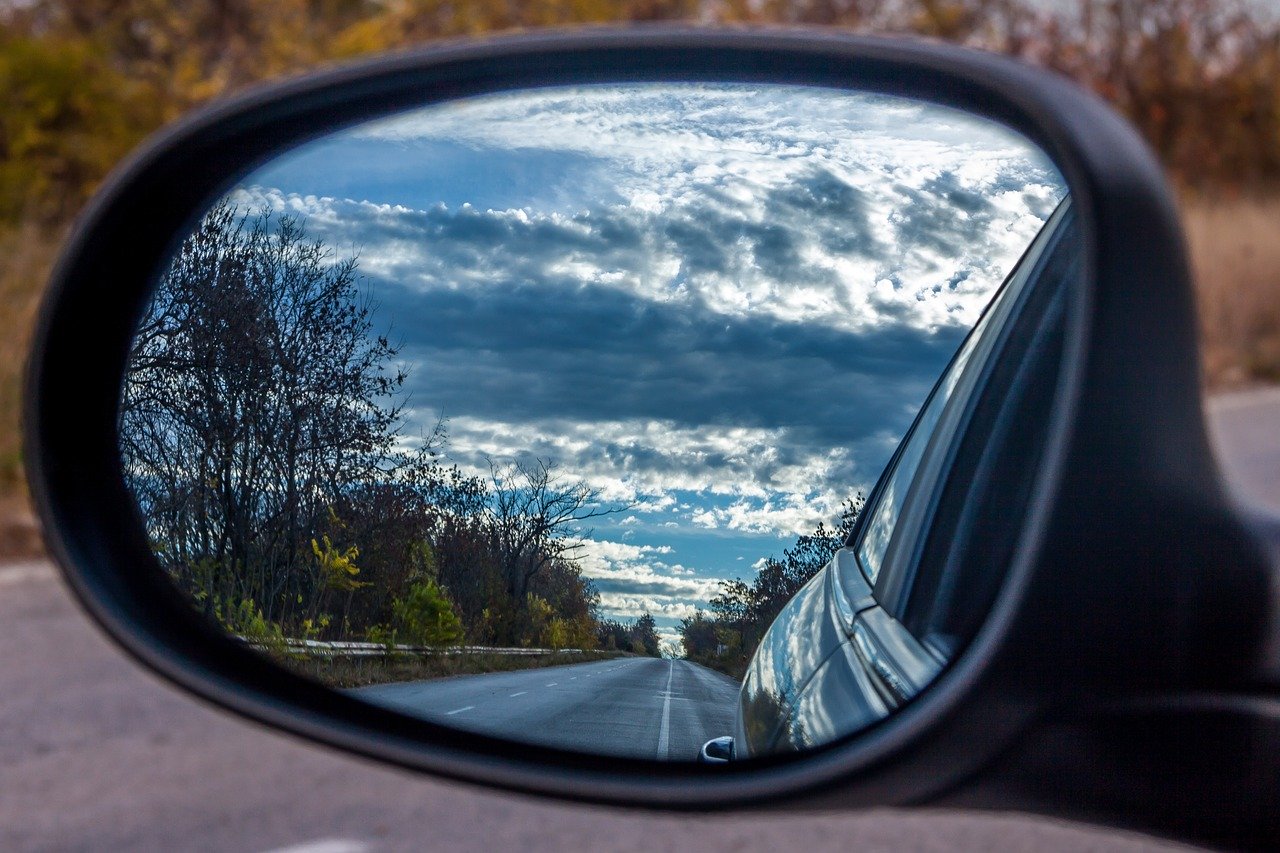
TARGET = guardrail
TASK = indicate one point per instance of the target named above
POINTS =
(321, 648)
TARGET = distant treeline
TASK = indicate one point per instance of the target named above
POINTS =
(261, 433)
(84, 80)
(725, 637)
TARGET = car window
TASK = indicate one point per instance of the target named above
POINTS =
(899, 510)
(884, 516)
(970, 540)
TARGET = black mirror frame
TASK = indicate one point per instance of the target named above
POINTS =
(1126, 479)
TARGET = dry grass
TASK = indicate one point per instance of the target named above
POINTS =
(1235, 248)
(26, 255)
(362, 672)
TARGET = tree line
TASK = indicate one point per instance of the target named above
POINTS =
(725, 637)
(262, 433)
(83, 81)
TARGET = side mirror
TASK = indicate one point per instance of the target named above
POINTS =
(718, 750)
(499, 359)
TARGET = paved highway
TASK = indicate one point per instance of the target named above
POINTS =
(1245, 426)
(96, 754)
(637, 707)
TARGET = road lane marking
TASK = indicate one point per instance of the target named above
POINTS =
(23, 572)
(521, 693)
(326, 845)
(664, 733)
(458, 711)
(553, 684)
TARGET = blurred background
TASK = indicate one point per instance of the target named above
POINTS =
(83, 81)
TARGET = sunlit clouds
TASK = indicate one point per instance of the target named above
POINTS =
(720, 306)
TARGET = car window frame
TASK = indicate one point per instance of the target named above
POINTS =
(892, 585)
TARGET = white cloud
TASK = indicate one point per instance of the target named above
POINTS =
(680, 161)
(636, 567)
(632, 606)
(775, 486)
(646, 461)
(811, 207)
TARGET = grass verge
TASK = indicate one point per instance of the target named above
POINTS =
(1235, 249)
(26, 255)
(362, 672)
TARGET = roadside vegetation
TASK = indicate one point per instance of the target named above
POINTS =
(1235, 246)
(262, 434)
(725, 637)
(349, 672)
(82, 81)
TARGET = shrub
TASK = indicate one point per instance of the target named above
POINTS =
(425, 616)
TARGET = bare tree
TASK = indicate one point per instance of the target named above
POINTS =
(258, 398)
(532, 513)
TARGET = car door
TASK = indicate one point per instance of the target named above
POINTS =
(889, 594)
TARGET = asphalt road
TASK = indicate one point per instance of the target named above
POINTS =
(1245, 426)
(96, 754)
(637, 707)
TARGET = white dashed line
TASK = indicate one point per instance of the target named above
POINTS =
(664, 733)
(458, 711)
(326, 845)
(553, 684)
(521, 693)
(23, 572)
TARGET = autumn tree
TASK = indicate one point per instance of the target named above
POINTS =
(532, 513)
(640, 636)
(258, 400)
(742, 612)
(644, 636)
(699, 637)
(754, 606)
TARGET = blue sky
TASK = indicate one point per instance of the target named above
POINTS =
(719, 304)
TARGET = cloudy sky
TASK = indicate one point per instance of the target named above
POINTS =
(721, 305)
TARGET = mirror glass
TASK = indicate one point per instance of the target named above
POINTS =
(530, 414)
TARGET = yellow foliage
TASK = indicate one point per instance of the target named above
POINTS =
(65, 119)
(313, 628)
(25, 257)
(580, 633)
(555, 635)
(337, 567)
(245, 619)
(540, 615)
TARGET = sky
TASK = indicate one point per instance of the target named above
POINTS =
(719, 305)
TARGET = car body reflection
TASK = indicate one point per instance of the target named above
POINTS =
(873, 629)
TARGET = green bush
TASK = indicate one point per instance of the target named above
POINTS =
(425, 616)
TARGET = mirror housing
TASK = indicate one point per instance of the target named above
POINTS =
(1137, 607)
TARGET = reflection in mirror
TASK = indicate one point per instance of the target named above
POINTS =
(529, 414)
